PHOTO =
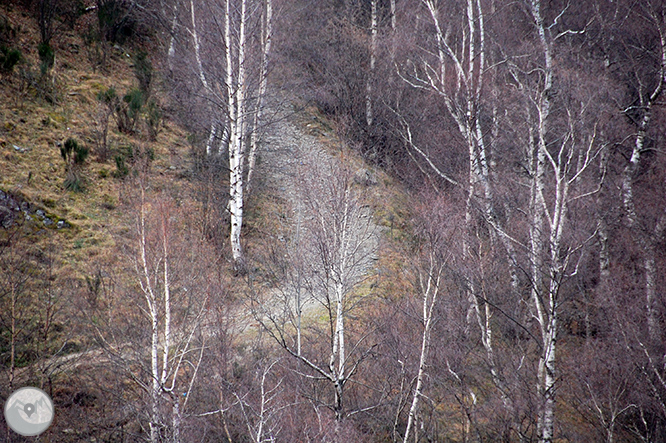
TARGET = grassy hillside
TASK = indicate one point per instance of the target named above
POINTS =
(39, 114)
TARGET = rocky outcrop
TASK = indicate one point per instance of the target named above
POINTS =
(14, 209)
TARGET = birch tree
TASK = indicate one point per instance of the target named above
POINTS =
(158, 343)
(336, 244)
(429, 285)
(561, 154)
(646, 94)
(266, 43)
(373, 60)
(456, 71)
(231, 65)
(639, 65)
(172, 350)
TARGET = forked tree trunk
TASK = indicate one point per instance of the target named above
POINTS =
(545, 310)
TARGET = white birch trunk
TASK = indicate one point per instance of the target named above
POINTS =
(651, 277)
(155, 280)
(267, 37)
(148, 290)
(236, 89)
(430, 293)
(212, 136)
(212, 133)
(394, 25)
(167, 302)
(645, 241)
(339, 350)
(545, 314)
(171, 52)
(373, 56)
(197, 48)
(469, 65)
(602, 228)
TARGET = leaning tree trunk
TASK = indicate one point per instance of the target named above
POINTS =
(430, 291)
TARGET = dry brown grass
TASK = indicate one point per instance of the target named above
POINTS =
(36, 172)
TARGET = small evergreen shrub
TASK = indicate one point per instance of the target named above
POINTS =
(125, 111)
(121, 167)
(131, 110)
(74, 156)
(46, 57)
(143, 70)
(73, 153)
(107, 101)
(132, 158)
(9, 58)
(153, 119)
(108, 96)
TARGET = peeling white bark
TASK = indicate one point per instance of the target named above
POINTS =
(236, 111)
(236, 95)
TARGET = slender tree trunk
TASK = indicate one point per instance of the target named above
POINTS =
(602, 238)
(373, 55)
(394, 25)
(545, 309)
(197, 48)
(645, 241)
(430, 293)
(171, 53)
(237, 106)
(468, 63)
(151, 304)
(339, 349)
(212, 133)
(267, 36)
(167, 301)
(176, 418)
(651, 278)
(212, 136)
